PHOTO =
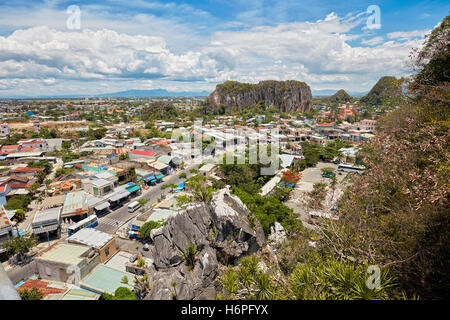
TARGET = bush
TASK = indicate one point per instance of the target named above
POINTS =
(144, 231)
(121, 293)
(18, 202)
(32, 294)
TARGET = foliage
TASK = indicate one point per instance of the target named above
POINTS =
(144, 231)
(121, 293)
(70, 156)
(291, 177)
(45, 164)
(183, 199)
(247, 281)
(66, 145)
(337, 280)
(183, 175)
(197, 185)
(387, 91)
(18, 201)
(19, 215)
(32, 294)
(19, 245)
(143, 201)
(141, 286)
(396, 213)
(62, 171)
(190, 256)
(141, 263)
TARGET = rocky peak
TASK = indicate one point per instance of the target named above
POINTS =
(222, 235)
(286, 96)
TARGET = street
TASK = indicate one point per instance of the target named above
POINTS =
(111, 222)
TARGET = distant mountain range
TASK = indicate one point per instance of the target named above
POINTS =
(330, 92)
(154, 93)
(125, 94)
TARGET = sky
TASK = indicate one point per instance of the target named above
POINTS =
(58, 47)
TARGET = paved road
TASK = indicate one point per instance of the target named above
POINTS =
(26, 223)
(112, 221)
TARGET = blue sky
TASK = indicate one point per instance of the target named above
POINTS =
(193, 45)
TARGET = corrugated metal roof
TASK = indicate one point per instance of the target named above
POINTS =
(91, 237)
(47, 215)
(75, 203)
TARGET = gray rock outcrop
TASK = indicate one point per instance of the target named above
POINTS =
(277, 234)
(222, 234)
(286, 96)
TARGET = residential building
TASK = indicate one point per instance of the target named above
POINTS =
(66, 262)
(6, 228)
(47, 222)
(4, 129)
(136, 154)
(98, 187)
(103, 243)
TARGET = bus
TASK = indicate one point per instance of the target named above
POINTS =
(132, 207)
(89, 222)
(350, 168)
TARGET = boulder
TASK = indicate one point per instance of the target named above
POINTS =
(221, 233)
(277, 234)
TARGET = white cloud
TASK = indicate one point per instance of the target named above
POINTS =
(317, 52)
(372, 41)
(399, 35)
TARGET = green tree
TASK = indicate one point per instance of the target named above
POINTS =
(19, 246)
(144, 231)
(32, 294)
(18, 202)
(190, 256)
(121, 293)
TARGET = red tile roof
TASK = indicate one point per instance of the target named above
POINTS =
(33, 142)
(4, 220)
(325, 124)
(15, 146)
(47, 288)
(26, 169)
(143, 153)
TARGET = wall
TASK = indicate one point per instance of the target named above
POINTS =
(112, 247)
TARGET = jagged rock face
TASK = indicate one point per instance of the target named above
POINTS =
(277, 234)
(286, 96)
(221, 233)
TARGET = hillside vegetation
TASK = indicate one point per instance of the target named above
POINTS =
(387, 91)
(394, 216)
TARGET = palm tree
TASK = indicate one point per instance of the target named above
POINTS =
(190, 256)
(141, 287)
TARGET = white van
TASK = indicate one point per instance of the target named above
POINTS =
(132, 207)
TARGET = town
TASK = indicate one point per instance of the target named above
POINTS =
(88, 187)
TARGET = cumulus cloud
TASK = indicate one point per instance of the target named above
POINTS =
(316, 52)
(373, 41)
(399, 35)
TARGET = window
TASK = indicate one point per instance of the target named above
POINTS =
(107, 251)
